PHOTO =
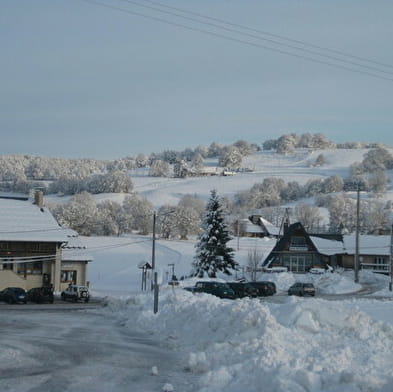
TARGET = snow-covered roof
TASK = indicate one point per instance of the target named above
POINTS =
(21, 220)
(75, 249)
(250, 227)
(273, 230)
(327, 247)
(368, 244)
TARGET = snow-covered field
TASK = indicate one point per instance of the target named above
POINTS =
(277, 344)
(292, 167)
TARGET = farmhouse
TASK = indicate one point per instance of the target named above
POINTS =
(32, 245)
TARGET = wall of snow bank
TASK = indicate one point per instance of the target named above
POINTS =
(302, 345)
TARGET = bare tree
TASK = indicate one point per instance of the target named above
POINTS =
(254, 260)
(308, 215)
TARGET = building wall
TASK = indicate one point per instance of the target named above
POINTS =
(9, 278)
(22, 275)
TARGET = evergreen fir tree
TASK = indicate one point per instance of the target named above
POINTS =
(213, 254)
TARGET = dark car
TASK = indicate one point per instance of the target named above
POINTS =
(264, 288)
(243, 289)
(12, 295)
(302, 289)
(221, 290)
(40, 295)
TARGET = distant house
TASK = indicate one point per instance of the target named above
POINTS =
(298, 251)
(31, 247)
(374, 252)
(256, 226)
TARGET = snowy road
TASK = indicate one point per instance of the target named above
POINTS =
(53, 351)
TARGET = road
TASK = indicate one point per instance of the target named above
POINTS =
(63, 347)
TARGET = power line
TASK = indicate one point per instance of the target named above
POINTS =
(342, 53)
(246, 42)
(259, 37)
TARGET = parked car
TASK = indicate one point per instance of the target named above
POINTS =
(275, 269)
(76, 293)
(302, 289)
(221, 290)
(243, 289)
(317, 271)
(41, 295)
(265, 288)
(12, 295)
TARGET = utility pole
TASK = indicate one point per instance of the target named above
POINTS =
(237, 233)
(356, 266)
(153, 250)
(391, 259)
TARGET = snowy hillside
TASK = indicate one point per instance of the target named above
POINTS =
(292, 167)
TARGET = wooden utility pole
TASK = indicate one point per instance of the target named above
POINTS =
(153, 250)
(391, 259)
(356, 266)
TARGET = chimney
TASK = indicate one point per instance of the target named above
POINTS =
(39, 199)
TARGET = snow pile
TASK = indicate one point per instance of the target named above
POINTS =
(300, 345)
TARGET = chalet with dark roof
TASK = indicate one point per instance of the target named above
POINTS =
(299, 252)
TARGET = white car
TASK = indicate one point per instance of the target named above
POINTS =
(317, 271)
(76, 293)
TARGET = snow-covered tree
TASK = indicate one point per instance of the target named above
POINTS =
(332, 184)
(166, 221)
(377, 159)
(254, 261)
(212, 252)
(308, 215)
(80, 214)
(320, 141)
(230, 157)
(193, 202)
(270, 144)
(187, 221)
(313, 187)
(197, 161)
(286, 144)
(111, 182)
(214, 150)
(342, 212)
(244, 147)
(112, 219)
(320, 161)
(180, 169)
(140, 212)
(141, 160)
(159, 168)
(377, 181)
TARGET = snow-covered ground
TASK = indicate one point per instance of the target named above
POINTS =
(337, 341)
(276, 344)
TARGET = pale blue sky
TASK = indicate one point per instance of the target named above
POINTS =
(82, 80)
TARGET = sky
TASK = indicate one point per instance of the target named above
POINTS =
(108, 78)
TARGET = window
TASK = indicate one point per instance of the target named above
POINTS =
(298, 243)
(68, 276)
(34, 268)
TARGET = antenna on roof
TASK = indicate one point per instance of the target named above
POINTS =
(285, 222)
